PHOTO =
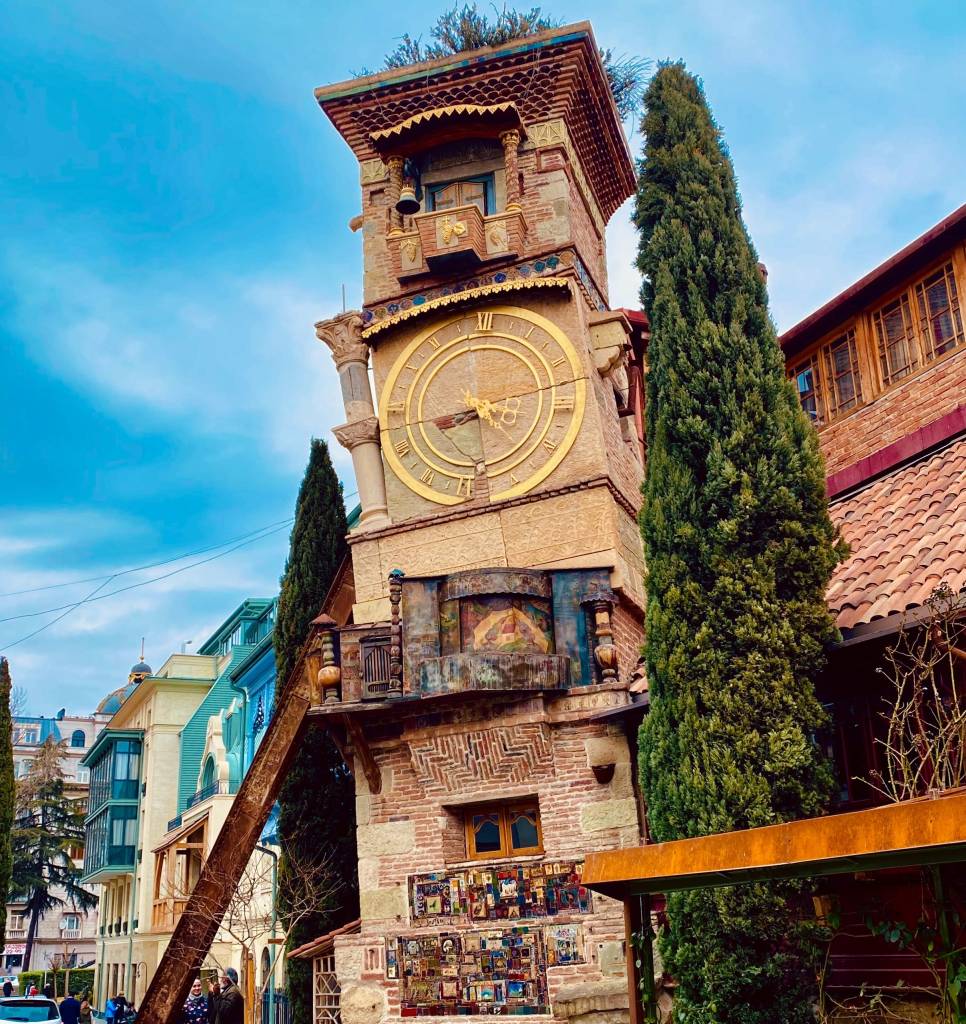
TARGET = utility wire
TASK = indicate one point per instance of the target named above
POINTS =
(70, 608)
(151, 565)
(133, 586)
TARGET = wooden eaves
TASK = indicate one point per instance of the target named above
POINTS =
(915, 832)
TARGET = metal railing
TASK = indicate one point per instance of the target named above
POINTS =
(174, 823)
(215, 789)
(276, 1009)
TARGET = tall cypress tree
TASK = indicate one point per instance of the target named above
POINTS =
(739, 549)
(7, 793)
(317, 799)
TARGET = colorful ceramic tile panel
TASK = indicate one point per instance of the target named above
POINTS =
(502, 973)
(547, 266)
(499, 893)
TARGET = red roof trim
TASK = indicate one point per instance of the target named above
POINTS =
(324, 943)
(906, 448)
(880, 279)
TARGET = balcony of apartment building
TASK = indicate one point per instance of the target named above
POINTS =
(111, 825)
(177, 867)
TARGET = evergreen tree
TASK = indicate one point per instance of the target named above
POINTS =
(317, 800)
(7, 792)
(48, 825)
(739, 550)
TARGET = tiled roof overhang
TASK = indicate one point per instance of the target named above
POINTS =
(917, 255)
(907, 534)
(553, 74)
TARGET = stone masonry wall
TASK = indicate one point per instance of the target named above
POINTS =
(437, 764)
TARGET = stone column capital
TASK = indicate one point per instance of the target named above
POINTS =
(343, 335)
(364, 431)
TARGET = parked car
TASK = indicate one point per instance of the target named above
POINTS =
(28, 1010)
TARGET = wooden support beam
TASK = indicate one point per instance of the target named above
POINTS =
(198, 925)
(361, 749)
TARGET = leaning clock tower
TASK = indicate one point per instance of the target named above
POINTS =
(480, 654)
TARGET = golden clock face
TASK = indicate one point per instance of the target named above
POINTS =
(495, 394)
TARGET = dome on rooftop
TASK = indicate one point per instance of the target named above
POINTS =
(142, 668)
(113, 701)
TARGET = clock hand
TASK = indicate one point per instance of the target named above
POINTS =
(485, 409)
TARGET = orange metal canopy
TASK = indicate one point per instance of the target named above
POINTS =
(926, 831)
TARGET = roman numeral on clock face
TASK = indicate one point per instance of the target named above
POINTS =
(484, 321)
(563, 403)
(428, 476)
(464, 486)
(402, 448)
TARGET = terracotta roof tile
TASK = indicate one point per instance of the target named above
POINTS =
(907, 532)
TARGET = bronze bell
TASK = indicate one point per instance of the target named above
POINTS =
(408, 203)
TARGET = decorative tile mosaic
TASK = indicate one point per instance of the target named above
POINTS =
(502, 973)
(545, 267)
(499, 893)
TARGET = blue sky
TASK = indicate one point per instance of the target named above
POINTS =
(174, 211)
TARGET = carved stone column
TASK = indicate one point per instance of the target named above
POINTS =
(511, 143)
(360, 432)
(395, 164)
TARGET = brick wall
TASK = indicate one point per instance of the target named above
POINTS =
(904, 408)
(491, 750)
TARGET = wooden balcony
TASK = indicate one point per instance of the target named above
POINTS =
(165, 914)
(448, 241)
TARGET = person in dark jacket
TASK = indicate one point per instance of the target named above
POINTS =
(7, 989)
(70, 1009)
(48, 991)
(227, 1004)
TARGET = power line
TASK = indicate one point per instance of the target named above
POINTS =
(67, 609)
(70, 608)
(150, 565)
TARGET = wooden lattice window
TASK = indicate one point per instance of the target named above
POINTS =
(940, 319)
(896, 337)
(503, 830)
(843, 390)
(326, 991)
(374, 656)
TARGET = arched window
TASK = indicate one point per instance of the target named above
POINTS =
(266, 968)
(208, 775)
(77, 738)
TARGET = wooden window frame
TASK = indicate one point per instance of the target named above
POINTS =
(486, 180)
(912, 339)
(834, 409)
(811, 363)
(947, 270)
(505, 813)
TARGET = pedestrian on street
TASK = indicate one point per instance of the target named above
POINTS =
(33, 993)
(86, 1011)
(7, 989)
(48, 991)
(70, 1009)
(228, 1003)
(195, 1009)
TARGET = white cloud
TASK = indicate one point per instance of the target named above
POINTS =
(218, 355)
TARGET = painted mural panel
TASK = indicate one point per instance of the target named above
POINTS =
(507, 892)
(506, 624)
